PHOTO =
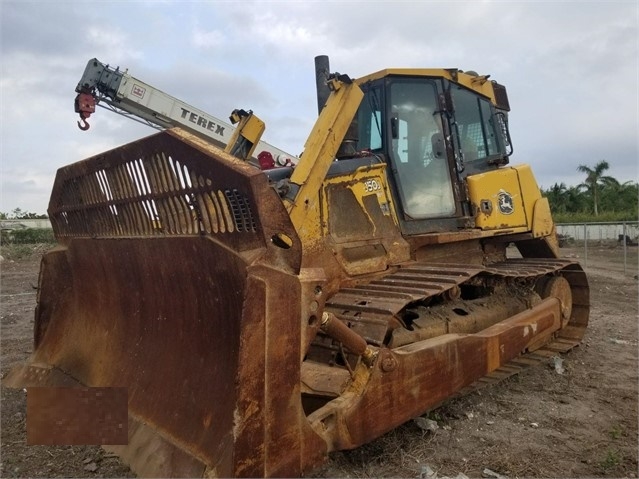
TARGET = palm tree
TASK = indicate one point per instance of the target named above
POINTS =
(622, 197)
(594, 179)
(556, 195)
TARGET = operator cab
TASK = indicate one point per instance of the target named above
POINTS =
(433, 132)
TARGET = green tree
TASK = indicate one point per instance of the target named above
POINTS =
(19, 214)
(576, 200)
(595, 180)
(556, 197)
(564, 199)
(620, 197)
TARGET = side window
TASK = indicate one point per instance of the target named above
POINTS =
(375, 142)
(370, 121)
(477, 132)
(490, 128)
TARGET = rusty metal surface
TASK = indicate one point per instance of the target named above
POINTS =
(467, 316)
(366, 307)
(417, 376)
(132, 319)
(369, 308)
(566, 338)
(167, 282)
(168, 184)
(76, 416)
(409, 380)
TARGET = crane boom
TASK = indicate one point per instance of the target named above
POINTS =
(140, 101)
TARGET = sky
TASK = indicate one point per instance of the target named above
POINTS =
(570, 68)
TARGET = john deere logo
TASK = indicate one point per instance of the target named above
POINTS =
(505, 203)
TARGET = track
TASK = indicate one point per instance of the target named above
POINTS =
(566, 339)
(370, 308)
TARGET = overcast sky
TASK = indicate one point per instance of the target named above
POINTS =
(570, 69)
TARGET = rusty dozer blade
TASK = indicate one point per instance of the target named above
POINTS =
(166, 281)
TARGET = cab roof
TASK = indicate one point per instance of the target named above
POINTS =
(477, 83)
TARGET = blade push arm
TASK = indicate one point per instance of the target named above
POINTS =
(321, 147)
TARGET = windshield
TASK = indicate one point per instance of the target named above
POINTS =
(418, 150)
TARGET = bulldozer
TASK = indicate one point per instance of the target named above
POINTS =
(260, 319)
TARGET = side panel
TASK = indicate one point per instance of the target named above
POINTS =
(531, 193)
(498, 200)
(358, 221)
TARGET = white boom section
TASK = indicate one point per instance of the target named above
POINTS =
(134, 98)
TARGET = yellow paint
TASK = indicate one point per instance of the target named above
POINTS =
(365, 181)
(479, 84)
(496, 187)
(362, 183)
(319, 152)
(542, 220)
(529, 190)
(250, 128)
(310, 230)
(529, 211)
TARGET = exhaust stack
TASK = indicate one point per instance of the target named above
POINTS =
(322, 72)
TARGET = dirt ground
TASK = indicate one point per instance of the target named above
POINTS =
(582, 423)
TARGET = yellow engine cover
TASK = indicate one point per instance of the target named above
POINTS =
(504, 198)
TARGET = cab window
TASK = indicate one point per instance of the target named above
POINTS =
(475, 125)
(418, 150)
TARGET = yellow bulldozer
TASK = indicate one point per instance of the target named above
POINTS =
(261, 318)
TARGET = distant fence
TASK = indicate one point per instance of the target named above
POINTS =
(23, 224)
(31, 231)
(600, 231)
(625, 234)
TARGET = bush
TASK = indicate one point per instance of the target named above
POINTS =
(27, 236)
(609, 216)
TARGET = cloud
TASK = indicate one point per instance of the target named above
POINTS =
(211, 39)
(570, 70)
(25, 193)
(26, 24)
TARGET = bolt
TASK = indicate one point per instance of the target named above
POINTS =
(388, 364)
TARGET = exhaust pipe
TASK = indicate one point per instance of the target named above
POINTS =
(322, 72)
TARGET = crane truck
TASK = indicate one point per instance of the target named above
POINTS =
(118, 91)
(261, 319)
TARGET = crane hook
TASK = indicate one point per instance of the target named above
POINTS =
(84, 105)
(84, 126)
